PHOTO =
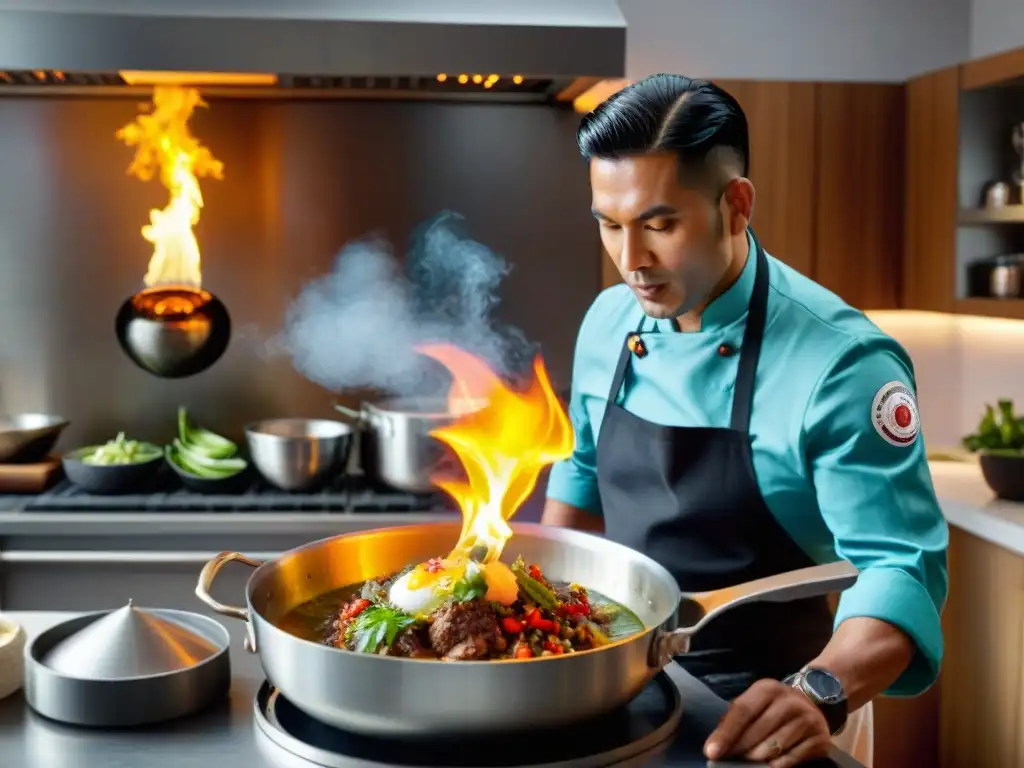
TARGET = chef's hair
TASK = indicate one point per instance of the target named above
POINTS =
(695, 119)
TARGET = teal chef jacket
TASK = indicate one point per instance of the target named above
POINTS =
(834, 430)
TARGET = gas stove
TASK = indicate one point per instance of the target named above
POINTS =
(352, 493)
(633, 735)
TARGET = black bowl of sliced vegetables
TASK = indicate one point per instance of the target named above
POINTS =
(205, 461)
(118, 466)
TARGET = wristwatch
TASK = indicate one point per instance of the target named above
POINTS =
(825, 691)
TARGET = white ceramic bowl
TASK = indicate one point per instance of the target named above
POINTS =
(12, 657)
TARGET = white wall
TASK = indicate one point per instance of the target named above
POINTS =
(996, 26)
(866, 40)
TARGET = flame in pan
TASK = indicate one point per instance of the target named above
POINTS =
(165, 145)
(502, 446)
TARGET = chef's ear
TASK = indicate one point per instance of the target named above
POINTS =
(738, 199)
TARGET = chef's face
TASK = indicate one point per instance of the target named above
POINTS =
(672, 243)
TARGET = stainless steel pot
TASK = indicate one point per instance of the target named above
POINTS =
(390, 696)
(396, 446)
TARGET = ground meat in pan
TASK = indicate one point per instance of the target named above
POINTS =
(465, 631)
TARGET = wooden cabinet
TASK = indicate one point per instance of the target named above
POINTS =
(859, 201)
(930, 203)
(782, 119)
(982, 680)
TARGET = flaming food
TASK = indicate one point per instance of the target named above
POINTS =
(469, 604)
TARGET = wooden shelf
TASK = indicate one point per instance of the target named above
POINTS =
(1011, 308)
(976, 217)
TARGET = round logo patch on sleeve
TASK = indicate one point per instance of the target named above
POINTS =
(894, 414)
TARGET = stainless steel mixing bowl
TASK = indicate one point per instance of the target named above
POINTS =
(298, 454)
(28, 436)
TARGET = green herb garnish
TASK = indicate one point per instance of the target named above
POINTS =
(377, 625)
(470, 588)
(999, 431)
(537, 592)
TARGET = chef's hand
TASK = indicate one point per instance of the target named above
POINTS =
(771, 723)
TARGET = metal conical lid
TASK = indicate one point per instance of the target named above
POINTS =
(126, 643)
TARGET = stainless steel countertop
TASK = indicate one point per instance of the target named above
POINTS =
(225, 735)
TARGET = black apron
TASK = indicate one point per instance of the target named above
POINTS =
(688, 498)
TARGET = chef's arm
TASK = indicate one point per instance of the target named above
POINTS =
(877, 499)
(573, 500)
(567, 516)
(868, 656)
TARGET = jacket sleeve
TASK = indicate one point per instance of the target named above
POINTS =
(874, 489)
(574, 480)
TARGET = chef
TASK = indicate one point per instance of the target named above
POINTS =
(735, 420)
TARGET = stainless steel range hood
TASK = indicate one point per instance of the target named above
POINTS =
(328, 47)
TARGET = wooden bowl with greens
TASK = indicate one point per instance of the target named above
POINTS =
(999, 443)
(205, 461)
(118, 466)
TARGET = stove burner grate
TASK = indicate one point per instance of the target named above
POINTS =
(289, 737)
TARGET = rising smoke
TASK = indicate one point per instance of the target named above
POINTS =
(357, 327)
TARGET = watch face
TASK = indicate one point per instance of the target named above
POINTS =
(823, 684)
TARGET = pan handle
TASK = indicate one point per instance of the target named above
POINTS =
(359, 417)
(696, 610)
(205, 584)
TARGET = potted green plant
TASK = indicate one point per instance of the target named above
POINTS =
(999, 443)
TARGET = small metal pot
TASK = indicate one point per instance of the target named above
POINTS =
(396, 445)
(127, 667)
(998, 277)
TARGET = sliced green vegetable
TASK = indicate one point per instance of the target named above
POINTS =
(195, 457)
(185, 464)
(203, 453)
(537, 592)
(203, 441)
(120, 451)
(377, 625)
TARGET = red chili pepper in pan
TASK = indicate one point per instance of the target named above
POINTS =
(573, 609)
(355, 608)
(512, 625)
(555, 648)
(535, 621)
(535, 573)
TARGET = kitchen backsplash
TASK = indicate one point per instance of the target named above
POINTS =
(961, 363)
(301, 179)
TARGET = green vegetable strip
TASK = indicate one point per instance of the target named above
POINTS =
(537, 592)
(202, 441)
(203, 453)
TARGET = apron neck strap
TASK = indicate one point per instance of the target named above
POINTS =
(750, 352)
(753, 335)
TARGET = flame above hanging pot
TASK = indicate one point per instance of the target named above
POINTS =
(173, 327)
